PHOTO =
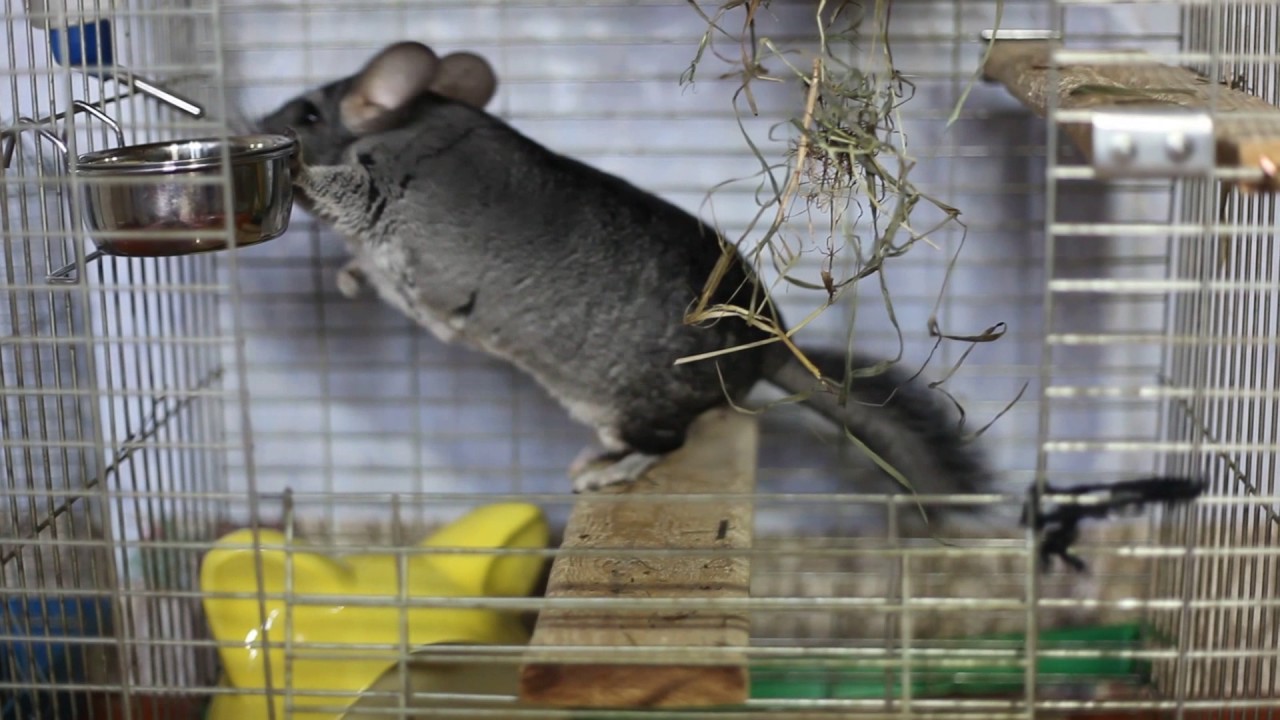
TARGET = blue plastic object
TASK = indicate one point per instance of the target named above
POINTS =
(42, 647)
(88, 45)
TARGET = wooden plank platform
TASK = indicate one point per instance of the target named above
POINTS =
(1247, 128)
(719, 457)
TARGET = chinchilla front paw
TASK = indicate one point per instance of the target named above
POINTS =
(351, 280)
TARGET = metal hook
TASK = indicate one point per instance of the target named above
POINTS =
(61, 276)
(11, 138)
(47, 135)
(115, 126)
(26, 123)
(158, 93)
(11, 135)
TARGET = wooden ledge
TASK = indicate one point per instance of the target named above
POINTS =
(1246, 128)
(719, 457)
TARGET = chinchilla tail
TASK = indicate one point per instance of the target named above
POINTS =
(904, 423)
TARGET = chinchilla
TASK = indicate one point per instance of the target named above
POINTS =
(576, 277)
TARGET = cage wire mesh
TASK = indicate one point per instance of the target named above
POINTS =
(1196, 286)
(112, 398)
(158, 405)
(1232, 588)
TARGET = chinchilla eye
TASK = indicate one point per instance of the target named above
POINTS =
(308, 114)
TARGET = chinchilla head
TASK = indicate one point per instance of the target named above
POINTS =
(387, 94)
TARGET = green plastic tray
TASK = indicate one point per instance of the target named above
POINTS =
(956, 674)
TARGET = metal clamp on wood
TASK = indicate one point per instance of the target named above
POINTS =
(1160, 142)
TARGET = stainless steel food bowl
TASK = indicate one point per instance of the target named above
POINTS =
(163, 199)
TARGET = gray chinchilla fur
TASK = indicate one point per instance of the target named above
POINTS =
(576, 277)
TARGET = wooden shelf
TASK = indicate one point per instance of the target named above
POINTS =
(719, 457)
(1246, 128)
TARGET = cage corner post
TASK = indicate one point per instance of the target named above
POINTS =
(644, 543)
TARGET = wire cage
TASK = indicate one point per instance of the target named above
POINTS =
(229, 489)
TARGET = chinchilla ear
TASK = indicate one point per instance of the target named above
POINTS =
(467, 78)
(387, 83)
